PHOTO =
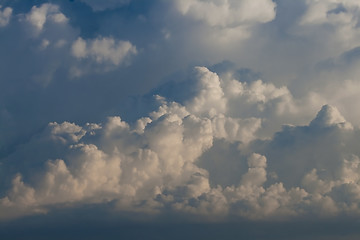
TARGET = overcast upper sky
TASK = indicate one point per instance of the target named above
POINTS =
(181, 119)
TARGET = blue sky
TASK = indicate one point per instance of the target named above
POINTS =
(170, 117)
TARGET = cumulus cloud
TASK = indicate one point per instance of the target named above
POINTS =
(155, 158)
(330, 11)
(320, 170)
(224, 22)
(228, 13)
(152, 165)
(340, 19)
(102, 50)
(38, 42)
(330, 116)
(38, 16)
(269, 133)
(5, 15)
(342, 94)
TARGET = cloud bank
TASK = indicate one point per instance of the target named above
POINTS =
(151, 166)
(215, 112)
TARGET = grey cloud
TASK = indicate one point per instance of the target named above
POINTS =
(36, 71)
(106, 4)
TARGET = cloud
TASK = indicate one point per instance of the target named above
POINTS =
(103, 50)
(35, 60)
(5, 16)
(264, 130)
(38, 42)
(38, 16)
(320, 170)
(339, 19)
(219, 22)
(155, 156)
(330, 11)
(330, 116)
(152, 165)
(228, 13)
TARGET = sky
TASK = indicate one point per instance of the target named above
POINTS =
(181, 119)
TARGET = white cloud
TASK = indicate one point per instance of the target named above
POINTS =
(256, 174)
(228, 13)
(330, 11)
(210, 98)
(338, 18)
(330, 116)
(225, 22)
(152, 166)
(103, 49)
(340, 93)
(5, 16)
(66, 132)
(154, 159)
(38, 16)
(105, 52)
